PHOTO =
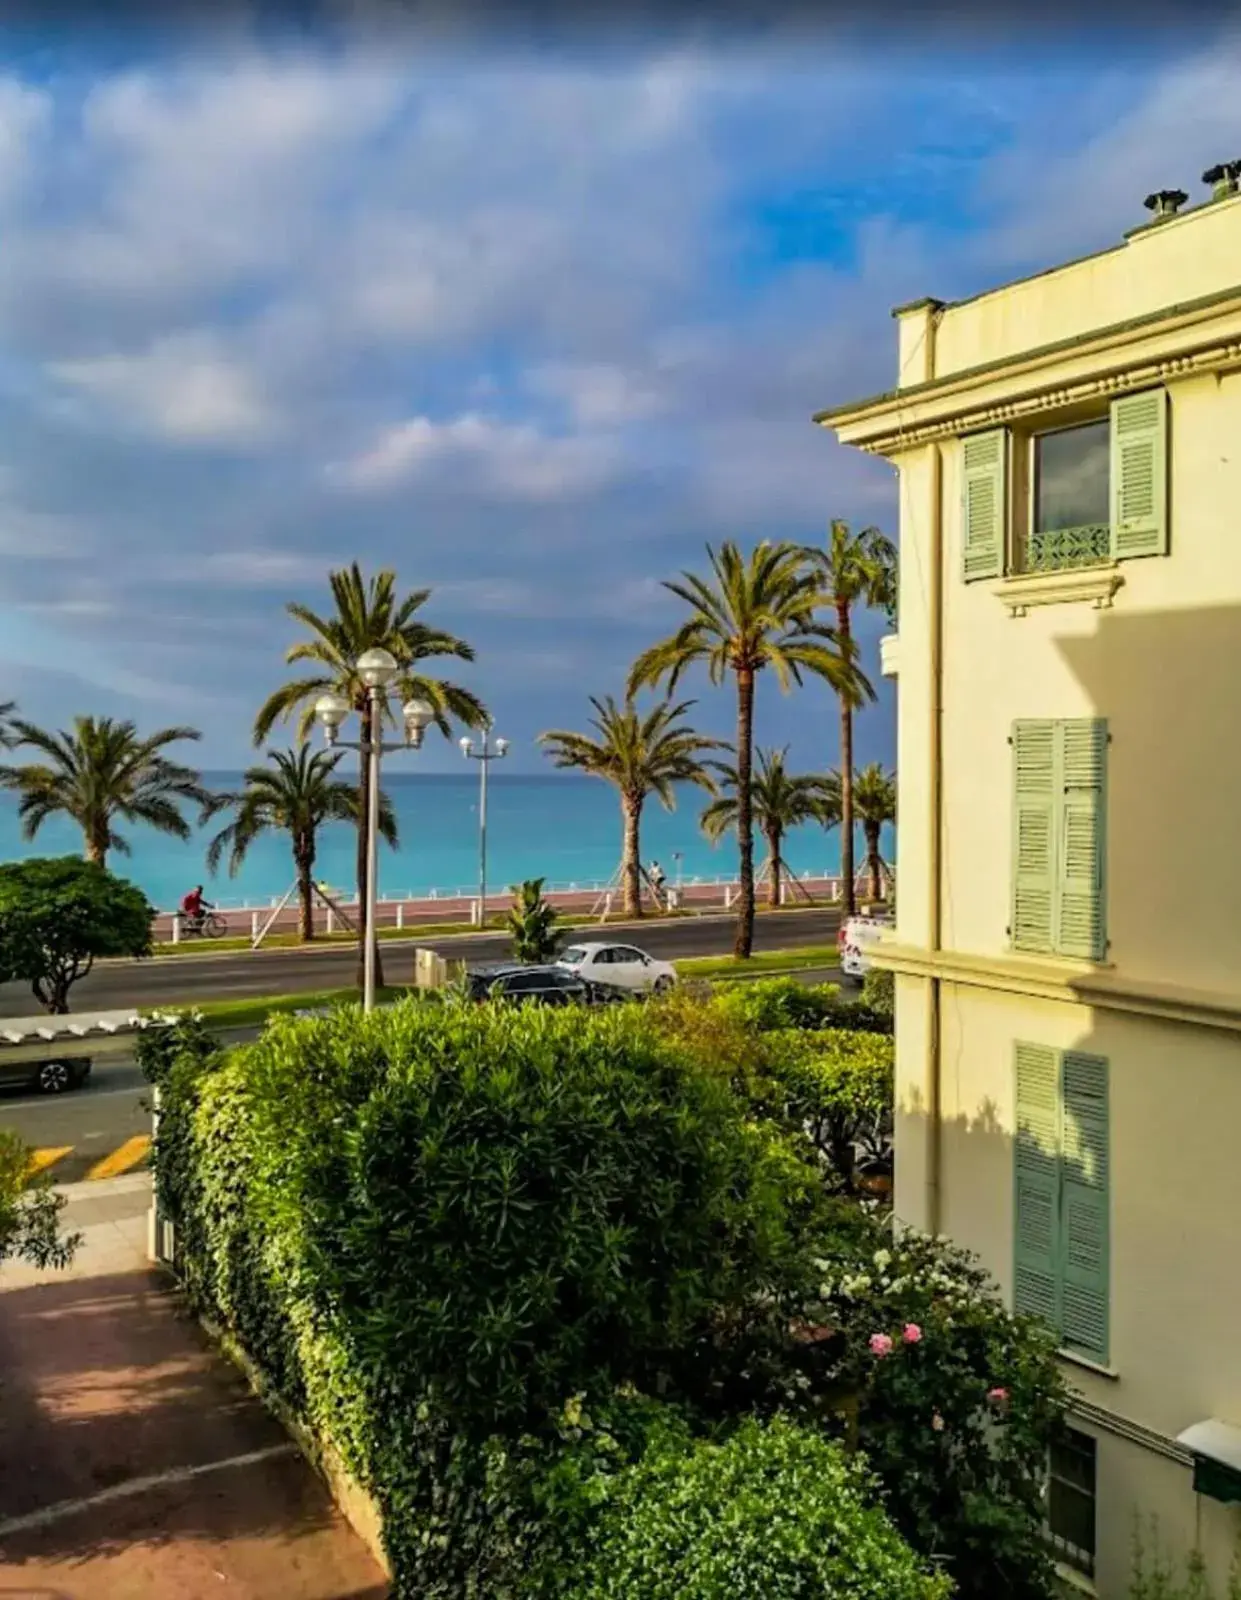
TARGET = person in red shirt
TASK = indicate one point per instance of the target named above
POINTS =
(193, 905)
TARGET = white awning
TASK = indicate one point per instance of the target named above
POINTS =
(1215, 1440)
(77, 1025)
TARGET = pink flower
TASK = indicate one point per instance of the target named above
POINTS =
(912, 1333)
(880, 1344)
(937, 1423)
(997, 1396)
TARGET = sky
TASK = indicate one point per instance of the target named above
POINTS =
(531, 320)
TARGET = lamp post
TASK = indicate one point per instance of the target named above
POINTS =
(484, 753)
(377, 669)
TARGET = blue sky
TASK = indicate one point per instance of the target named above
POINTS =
(529, 327)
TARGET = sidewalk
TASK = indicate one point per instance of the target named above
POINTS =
(134, 1462)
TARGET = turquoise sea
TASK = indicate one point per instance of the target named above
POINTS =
(564, 828)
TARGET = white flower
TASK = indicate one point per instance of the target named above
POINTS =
(883, 1259)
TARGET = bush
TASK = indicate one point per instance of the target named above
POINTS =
(774, 1512)
(836, 1086)
(878, 992)
(429, 1226)
(764, 1004)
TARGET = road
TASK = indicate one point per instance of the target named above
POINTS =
(170, 980)
(103, 1129)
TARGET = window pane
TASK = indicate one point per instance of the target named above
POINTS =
(1071, 1501)
(1071, 478)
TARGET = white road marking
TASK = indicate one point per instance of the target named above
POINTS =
(121, 1491)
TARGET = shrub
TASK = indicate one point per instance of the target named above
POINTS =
(764, 1004)
(836, 1086)
(775, 1511)
(532, 923)
(430, 1225)
(878, 992)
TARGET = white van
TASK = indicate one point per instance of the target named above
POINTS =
(856, 936)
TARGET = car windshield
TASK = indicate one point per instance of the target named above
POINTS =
(572, 957)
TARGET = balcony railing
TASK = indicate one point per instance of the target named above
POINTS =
(1057, 549)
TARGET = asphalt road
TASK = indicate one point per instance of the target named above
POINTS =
(101, 1123)
(169, 980)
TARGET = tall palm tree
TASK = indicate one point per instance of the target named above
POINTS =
(296, 795)
(642, 754)
(100, 773)
(854, 569)
(874, 792)
(367, 614)
(747, 615)
(781, 800)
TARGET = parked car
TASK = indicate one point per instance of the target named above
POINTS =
(619, 965)
(856, 936)
(547, 985)
(45, 1077)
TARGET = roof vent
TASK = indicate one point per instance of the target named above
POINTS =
(1223, 179)
(1165, 202)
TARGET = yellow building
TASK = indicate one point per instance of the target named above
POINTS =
(1068, 942)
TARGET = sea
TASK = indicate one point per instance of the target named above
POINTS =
(564, 828)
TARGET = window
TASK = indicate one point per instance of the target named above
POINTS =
(1061, 1195)
(1059, 847)
(1085, 494)
(1071, 1501)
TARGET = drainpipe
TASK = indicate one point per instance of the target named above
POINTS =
(935, 842)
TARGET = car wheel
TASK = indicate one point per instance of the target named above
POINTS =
(663, 985)
(54, 1077)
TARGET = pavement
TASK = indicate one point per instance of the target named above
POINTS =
(136, 1465)
(174, 979)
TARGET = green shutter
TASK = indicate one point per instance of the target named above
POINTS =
(1035, 798)
(1139, 475)
(1080, 920)
(1036, 1174)
(984, 457)
(1084, 1176)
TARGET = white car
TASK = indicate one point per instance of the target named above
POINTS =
(856, 936)
(620, 965)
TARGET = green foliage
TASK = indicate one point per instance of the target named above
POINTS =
(58, 916)
(837, 1085)
(532, 923)
(775, 1511)
(879, 992)
(767, 1003)
(430, 1225)
(30, 1211)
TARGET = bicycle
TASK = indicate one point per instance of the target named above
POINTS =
(211, 925)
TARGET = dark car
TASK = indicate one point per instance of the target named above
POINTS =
(47, 1077)
(546, 985)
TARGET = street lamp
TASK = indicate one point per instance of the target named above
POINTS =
(484, 753)
(377, 669)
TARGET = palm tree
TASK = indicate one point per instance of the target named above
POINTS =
(874, 792)
(7, 738)
(855, 568)
(749, 614)
(781, 800)
(367, 614)
(296, 795)
(641, 755)
(101, 772)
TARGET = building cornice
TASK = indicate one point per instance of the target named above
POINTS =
(1074, 983)
(1123, 358)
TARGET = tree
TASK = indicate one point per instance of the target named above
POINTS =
(874, 792)
(780, 800)
(30, 1211)
(101, 772)
(7, 737)
(748, 614)
(367, 614)
(58, 916)
(855, 568)
(297, 795)
(641, 755)
(531, 921)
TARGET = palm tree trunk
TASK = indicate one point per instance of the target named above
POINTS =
(873, 860)
(745, 813)
(364, 790)
(96, 850)
(304, 860)
(846, 771)
(773, 856)
(631, 857)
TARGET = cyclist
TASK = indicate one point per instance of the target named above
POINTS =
(192, 908)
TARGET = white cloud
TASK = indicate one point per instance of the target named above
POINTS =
(184, 388)
(25, 114)
(598, 394)
(506, 458)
